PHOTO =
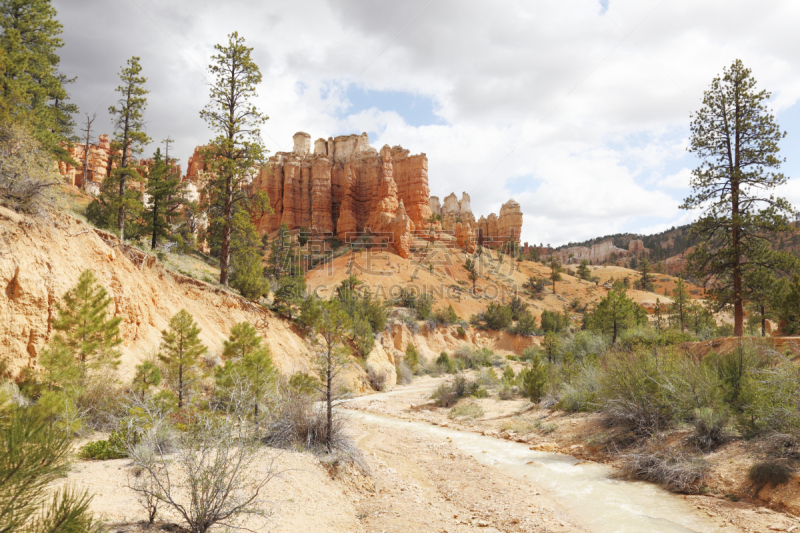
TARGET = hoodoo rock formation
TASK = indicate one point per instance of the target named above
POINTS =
(99, 165)
(492, 231)
(344, 187)
(600, 252)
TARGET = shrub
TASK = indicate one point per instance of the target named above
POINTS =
(673, 468)
(460, 332)
(28, 175)
(473, 357)
(412, 357)
(583, 391)
(448, 394)
(497, 316)
(534, 380)
(378, 377)
(470, 411)
(769, 472)
(709, 427)
(101, 450)
(445, 364)
(445, 316)
(404, 373)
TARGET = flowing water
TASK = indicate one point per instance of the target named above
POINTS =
(586, 491)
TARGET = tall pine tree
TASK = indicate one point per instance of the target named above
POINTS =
(737, 138)
(165, 193)
(129, 138)
(32, 89)
(237, 150)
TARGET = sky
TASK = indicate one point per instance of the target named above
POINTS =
(577, 109)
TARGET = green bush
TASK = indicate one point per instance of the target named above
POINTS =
(472, 357)
(101, 450)
(445, 316)
(412, 357)
(497, 316)
(448, 394)
(460, 332)
(534, 380)
(445, 364)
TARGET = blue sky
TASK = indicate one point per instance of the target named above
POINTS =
(578, 110)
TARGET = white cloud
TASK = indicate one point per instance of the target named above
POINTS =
(579, 113)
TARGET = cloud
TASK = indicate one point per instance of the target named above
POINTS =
(579, 110)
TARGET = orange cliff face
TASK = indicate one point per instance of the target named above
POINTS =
(493, 231)
(99, 165)
(344, 187)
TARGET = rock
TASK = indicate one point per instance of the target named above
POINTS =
(545, 447)
(403, 232)
(344, 187)
(464, 236)
(99, 164)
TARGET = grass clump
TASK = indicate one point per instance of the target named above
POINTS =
(469, 411)
(673, 468)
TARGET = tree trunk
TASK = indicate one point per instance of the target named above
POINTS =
(180, 386)
(329, 400)
(763, 321)
(155, 223)
(225, 252)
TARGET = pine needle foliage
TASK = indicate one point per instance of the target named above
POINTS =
(32, 456)
(180, 350)
(83, 325)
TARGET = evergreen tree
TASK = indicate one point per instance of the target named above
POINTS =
(786, 303)
(555, 272)
(247, 360)
(32, 89)
(329, 332)
(534, 379)
(32, 458)
(129, 138)
(180, 349)
(166, 196)
(737, 137)
(471, 266)
(147, 375)
(583, 270)
(615, 313)
(680, 302)
(82, 325)
(237, 150)
(57, 359)
(646, 280)
(759, 285)
(247, 263)
(550, 346)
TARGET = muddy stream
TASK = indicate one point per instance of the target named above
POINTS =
(586, 491)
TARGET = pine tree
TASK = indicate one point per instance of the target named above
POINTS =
(57, 359)
(129, 138)
(555, 272)
(759, 285)
(534, 379)
(247, 259)
(166, 196)
(147, 375)
(31, 87)
(180, 349)
(646, 280)
(738, 139)
(248, 360)
(680, 302)
(329, 331)
(82, 325)
(583, 270)
(471, 266)
(615, 313)
(32, 458)
(237, 150)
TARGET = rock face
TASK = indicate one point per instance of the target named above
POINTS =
(402, 232)
(598, 253)
(464, 236)
(492, 231)
(99, 165)
(344, 187)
